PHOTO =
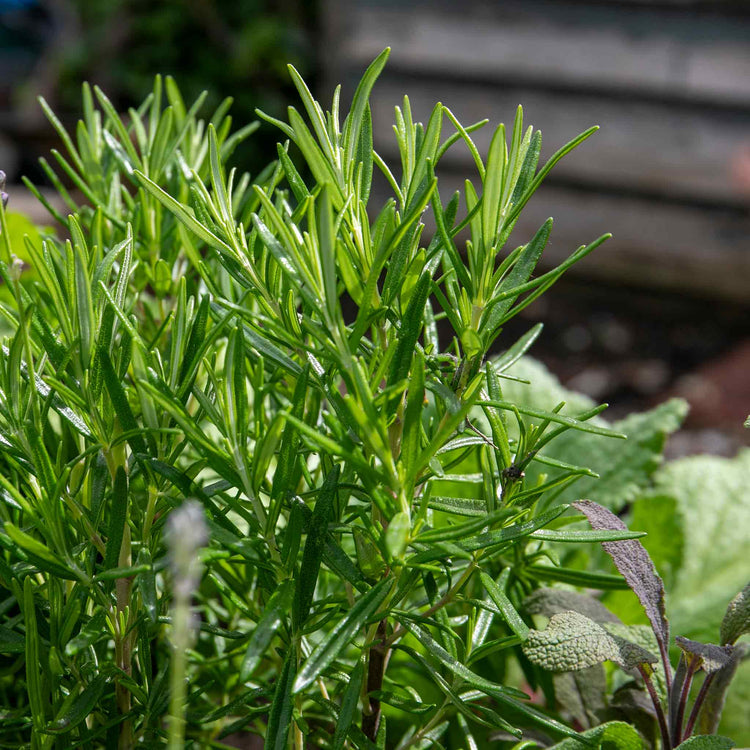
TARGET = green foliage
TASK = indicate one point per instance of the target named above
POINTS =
(706, 742)
(573, 641)
(379, 503)
(239, 49)
(709, 526)
(614, 735)
(624, 469)
(736, 621)
(712, 505)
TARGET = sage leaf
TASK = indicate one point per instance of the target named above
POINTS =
(716, 695)
(549, 602)
(736, 621)
(643, 636)
(614, 735)
(713, 503)
(633, 562)
(582, 694)
(711, 658)
(706, 742)
(572, 641)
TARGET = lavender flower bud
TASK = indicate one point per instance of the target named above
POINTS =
(16, 266)
(186, 534)
(3, 194)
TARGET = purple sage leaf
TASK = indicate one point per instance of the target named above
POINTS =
(712, 657)
(635, 566)
(643, 636)
(582, 694)
(632, 699)
(713, 704)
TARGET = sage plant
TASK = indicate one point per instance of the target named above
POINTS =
(581, 634)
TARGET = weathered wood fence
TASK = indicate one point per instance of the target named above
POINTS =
(668, 82)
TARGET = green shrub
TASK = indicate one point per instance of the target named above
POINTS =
(294, 360)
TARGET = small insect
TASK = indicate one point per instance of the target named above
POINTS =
(514, 473)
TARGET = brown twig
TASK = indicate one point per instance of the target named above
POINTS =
(376, 666)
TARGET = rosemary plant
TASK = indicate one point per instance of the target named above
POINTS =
(292, 356)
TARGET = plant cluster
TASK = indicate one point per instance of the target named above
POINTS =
(240, 48)
(582, 633)
(288, 354)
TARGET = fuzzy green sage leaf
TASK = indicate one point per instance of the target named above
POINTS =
(572, 641)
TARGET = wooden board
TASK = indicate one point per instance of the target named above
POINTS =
(680, 151)
(654, 244)
(668, 81)
(690, 52)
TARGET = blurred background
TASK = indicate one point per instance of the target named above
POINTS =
(662, 309)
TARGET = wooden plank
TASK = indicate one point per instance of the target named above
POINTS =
(672, 51)
(675, 151)
(654, 244)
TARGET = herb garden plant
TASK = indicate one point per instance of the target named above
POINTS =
(259, 475)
